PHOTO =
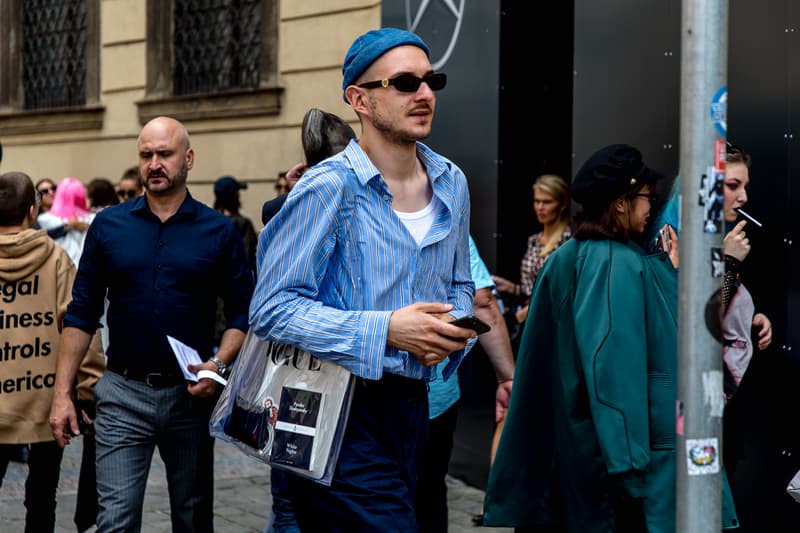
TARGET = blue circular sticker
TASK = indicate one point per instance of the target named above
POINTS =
(719, 111)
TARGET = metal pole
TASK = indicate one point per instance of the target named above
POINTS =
(704, 42)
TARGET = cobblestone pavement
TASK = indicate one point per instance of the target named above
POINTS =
(241, 496)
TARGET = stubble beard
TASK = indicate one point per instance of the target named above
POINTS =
(390, 130)
(172, 183)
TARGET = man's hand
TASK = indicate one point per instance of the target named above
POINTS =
(422, 330)
(674, 249)
(72, 348)
(521, 315)
(497, 346)
(501, 399)
(86, 421)
(63, 419)
(294, 174)
(736, 244)
(764, 326)
(204, 387)
(229, 346)
(504, 285)
(76, 224)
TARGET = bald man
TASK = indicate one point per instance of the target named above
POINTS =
(164, 258)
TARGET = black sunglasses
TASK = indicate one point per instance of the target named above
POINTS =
(122, 193)
(408, 83)
(652, 197)
(47, 190)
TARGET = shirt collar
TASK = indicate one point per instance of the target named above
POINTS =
(366, 171)
(187, 210)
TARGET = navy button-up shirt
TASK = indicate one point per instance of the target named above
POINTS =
(162, 279)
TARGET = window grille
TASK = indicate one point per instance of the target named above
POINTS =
(217, 45)
(54, 53)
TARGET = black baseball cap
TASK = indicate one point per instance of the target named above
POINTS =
(228, 185)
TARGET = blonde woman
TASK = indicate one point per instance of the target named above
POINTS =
(551, 205)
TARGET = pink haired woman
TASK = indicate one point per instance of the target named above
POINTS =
(69, 207)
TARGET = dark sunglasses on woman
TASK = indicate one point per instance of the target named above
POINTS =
(122, 193)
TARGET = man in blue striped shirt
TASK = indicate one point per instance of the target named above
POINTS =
(365, 265)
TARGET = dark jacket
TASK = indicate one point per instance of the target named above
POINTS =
(271, 207)
(249, 236)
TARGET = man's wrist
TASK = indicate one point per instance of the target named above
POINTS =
(222, 368)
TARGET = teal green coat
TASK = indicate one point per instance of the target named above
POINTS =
(593, 408)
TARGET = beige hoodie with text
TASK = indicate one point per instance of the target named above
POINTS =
(36, 279)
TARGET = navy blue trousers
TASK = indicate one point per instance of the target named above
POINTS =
(374, 484)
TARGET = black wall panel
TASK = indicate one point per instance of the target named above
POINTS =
(763, 117)
(535, 116)
(464, 38)
(627, 79)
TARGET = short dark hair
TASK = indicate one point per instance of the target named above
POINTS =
(17, 195)
(229, 201)
(101, 193)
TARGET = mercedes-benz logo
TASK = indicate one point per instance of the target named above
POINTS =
(447, 19)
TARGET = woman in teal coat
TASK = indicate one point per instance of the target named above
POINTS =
(589, 441)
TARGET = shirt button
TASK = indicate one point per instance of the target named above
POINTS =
(386, 197)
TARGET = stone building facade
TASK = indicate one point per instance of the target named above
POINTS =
(80, 77)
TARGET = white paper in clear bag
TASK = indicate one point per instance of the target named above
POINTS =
(285, 407)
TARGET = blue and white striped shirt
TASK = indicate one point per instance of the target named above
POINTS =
(336, 261)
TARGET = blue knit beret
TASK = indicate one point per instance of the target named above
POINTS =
(372, 45)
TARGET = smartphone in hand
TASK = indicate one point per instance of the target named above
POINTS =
(664, 240)
(472, 322)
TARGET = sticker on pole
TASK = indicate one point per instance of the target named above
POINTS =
(702, 456)
(712, 197)
(720, 154)
(719, 111)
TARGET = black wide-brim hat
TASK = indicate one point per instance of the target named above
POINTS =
(609, 173)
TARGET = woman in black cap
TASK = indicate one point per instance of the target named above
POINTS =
(589, 442)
